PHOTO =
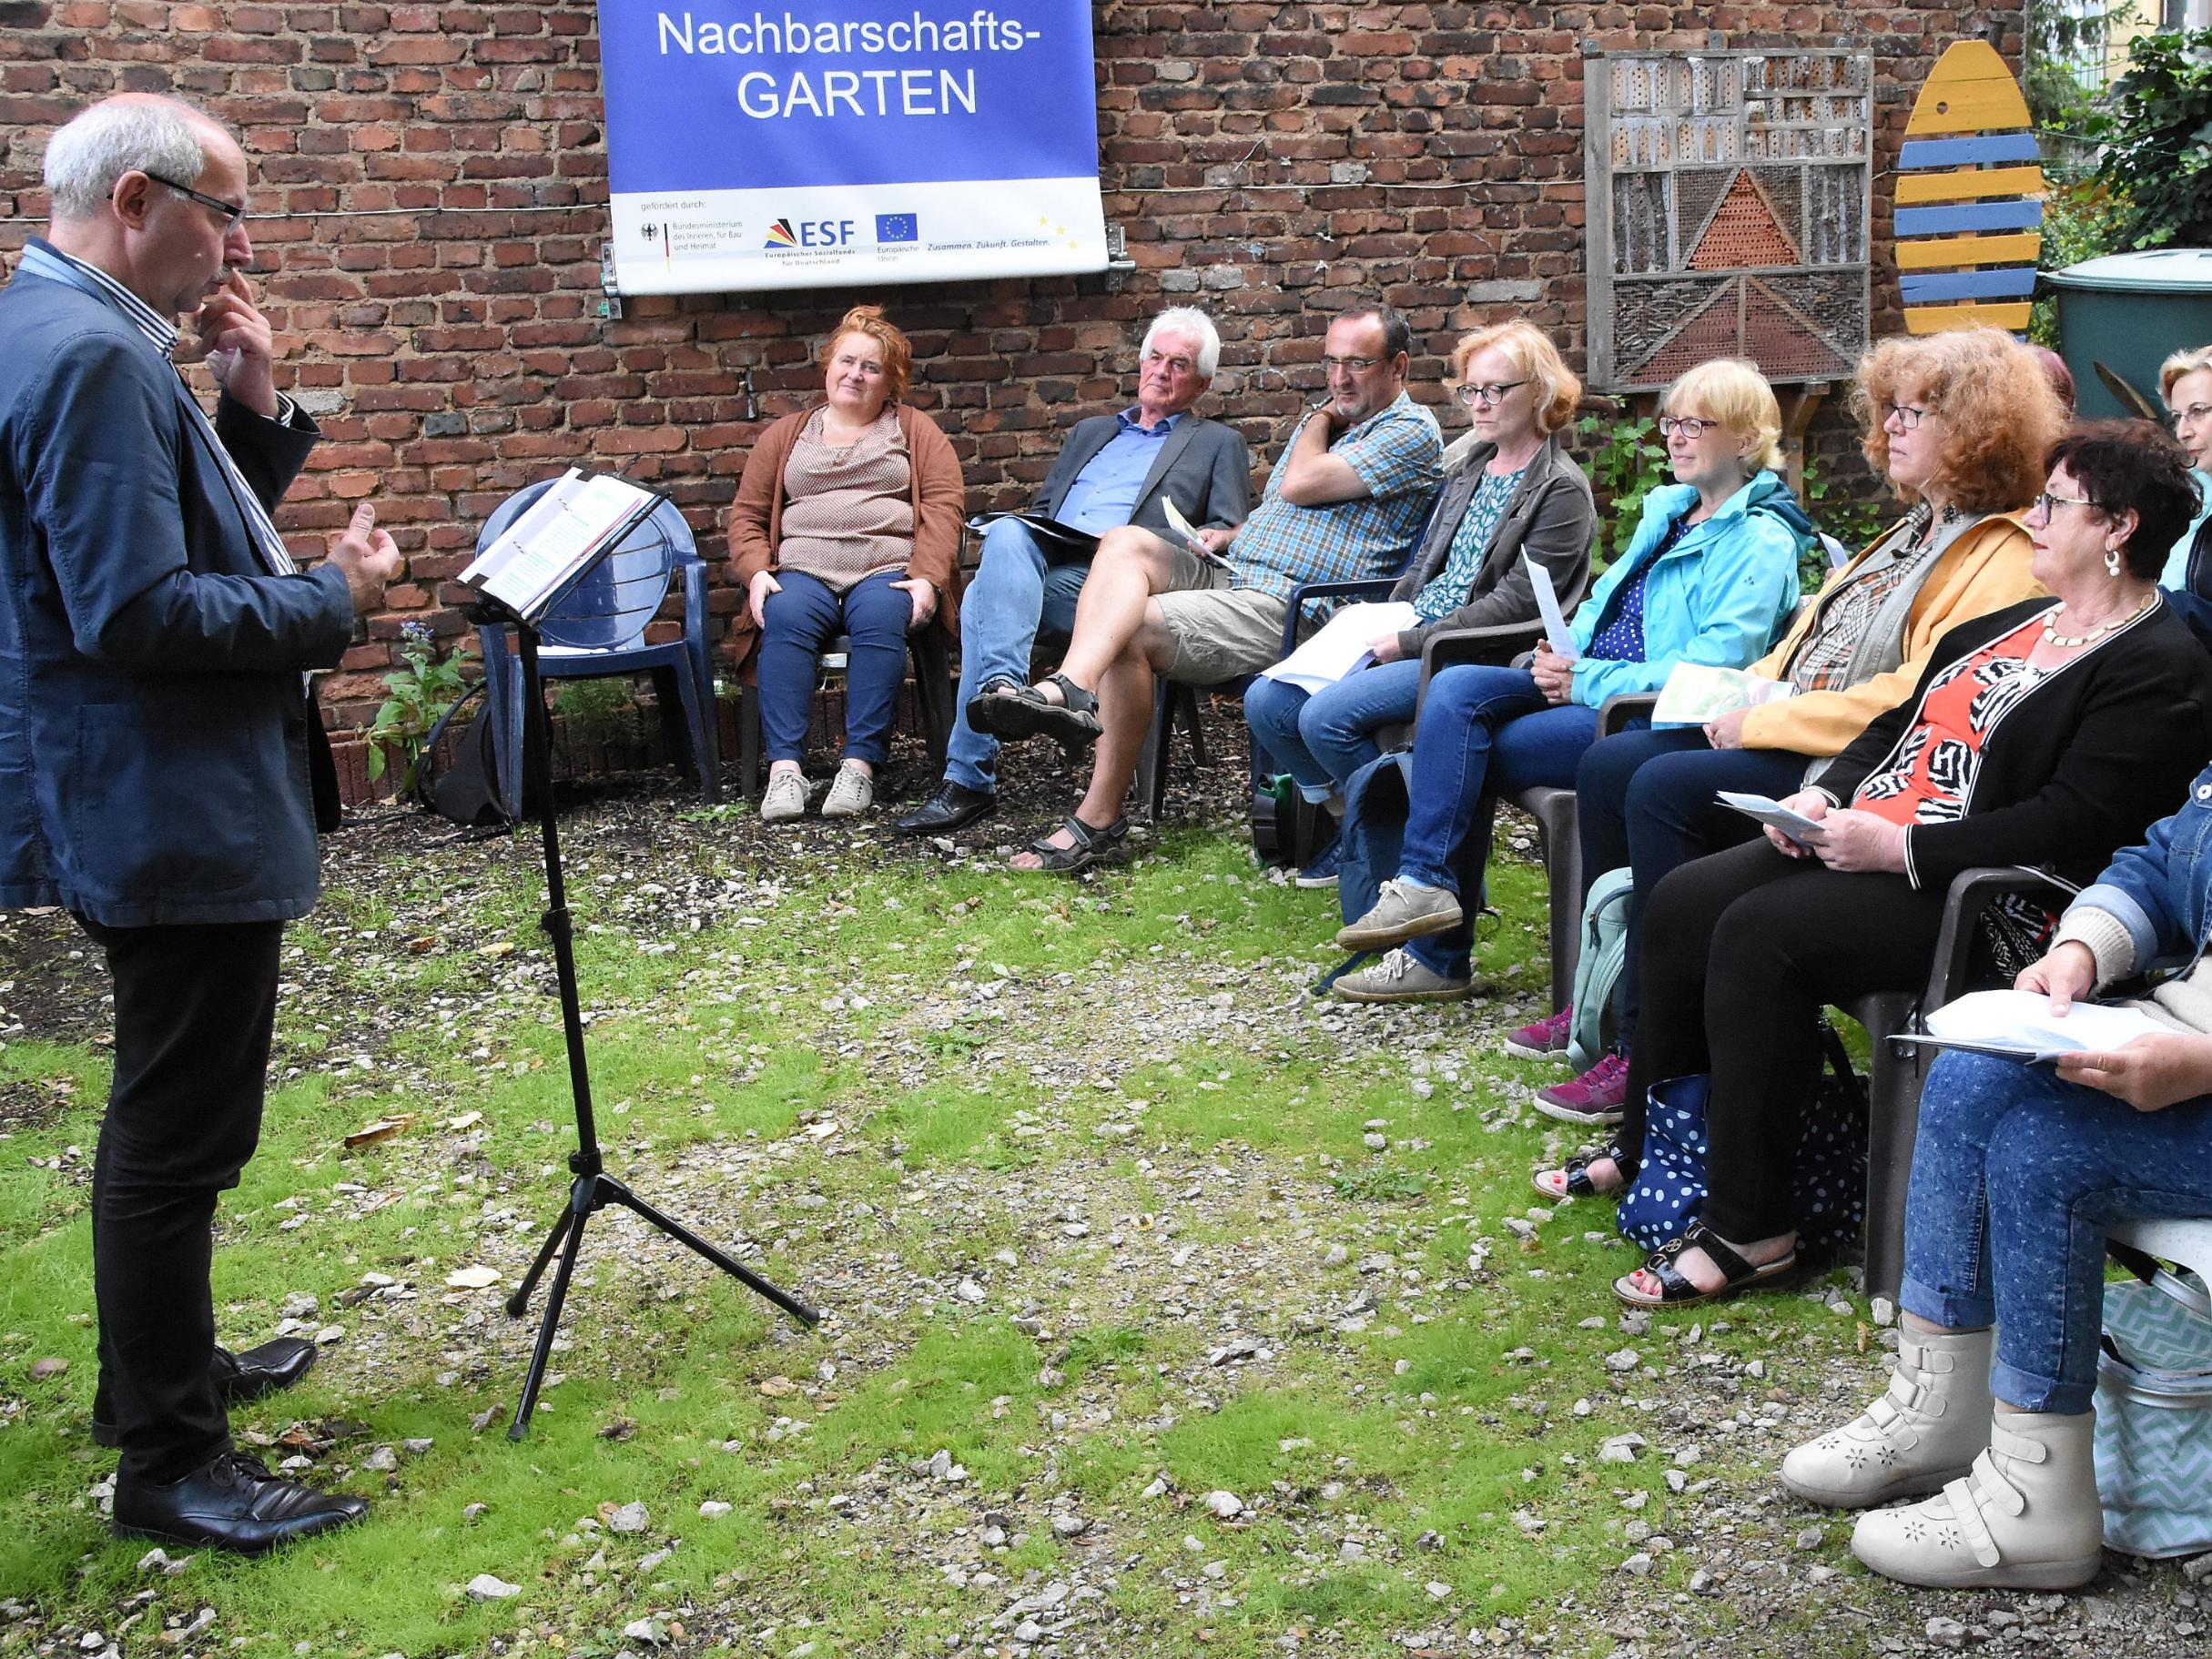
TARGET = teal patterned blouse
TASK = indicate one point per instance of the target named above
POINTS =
(1446, 590)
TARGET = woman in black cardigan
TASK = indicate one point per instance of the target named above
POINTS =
(2048, 734)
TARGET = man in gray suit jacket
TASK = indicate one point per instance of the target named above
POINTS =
(1114, 469)
(155, 752)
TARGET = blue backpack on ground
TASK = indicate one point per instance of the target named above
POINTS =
(1377, 798)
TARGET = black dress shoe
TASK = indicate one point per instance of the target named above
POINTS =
(232, 1503)
(238, 1378)
(950, 807)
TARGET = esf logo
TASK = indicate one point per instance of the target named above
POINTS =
(810, 233)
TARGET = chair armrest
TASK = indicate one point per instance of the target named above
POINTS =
(1451, 647)
(1615, 712)
(1365, 587)
(1970, 891)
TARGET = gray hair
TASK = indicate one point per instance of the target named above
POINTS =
(1189, 320)
(120, 136)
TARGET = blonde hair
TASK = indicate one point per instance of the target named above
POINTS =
(1999, 410)
(1533, 358)
(1734, 392)
(898, 353)
(2187, 361)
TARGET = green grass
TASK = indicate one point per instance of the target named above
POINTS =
(854, 1007)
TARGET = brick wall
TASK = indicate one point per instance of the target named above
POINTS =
(440, 174)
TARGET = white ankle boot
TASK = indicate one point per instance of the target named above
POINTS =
(2026, 1518)
(1919, 1435)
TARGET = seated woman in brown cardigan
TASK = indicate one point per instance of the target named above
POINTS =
(848, 520)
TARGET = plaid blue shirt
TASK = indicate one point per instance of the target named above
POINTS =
(1398, 455)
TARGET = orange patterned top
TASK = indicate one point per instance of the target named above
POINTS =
(1931, 778)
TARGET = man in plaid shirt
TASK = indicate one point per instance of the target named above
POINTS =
(1346, 501)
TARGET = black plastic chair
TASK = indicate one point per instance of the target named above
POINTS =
(598, 629)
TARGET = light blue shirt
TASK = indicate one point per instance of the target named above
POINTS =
(1104, 492)
(2176, 573)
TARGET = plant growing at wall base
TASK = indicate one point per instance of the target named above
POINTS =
(416, 693)
(1627, 465)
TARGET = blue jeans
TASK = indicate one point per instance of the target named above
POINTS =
(1014, 594)
(2015, 1176)
(801, 621)
(1321, 738)
(1486, 731)
(1644, 799)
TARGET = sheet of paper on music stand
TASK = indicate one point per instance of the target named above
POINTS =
(564, 528)
(1556, 635)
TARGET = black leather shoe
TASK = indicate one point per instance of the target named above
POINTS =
(950, 807)
(232, 1503)
(238, 1378)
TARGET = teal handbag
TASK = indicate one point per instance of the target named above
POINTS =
(2154, 1413)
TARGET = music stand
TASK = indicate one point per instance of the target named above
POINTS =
(592, 1189)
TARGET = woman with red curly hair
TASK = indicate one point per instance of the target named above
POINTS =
(846, 522)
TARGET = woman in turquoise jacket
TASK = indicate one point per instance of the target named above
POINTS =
(1711, 577)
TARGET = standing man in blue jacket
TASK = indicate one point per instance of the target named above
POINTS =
(155, 749)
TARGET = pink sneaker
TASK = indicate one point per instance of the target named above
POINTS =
(1598, 1096)
(1545, 1041)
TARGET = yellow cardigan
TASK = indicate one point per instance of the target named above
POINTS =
(1984, 568)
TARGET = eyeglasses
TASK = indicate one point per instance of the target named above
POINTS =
(233, 213)
(1494, 392)
(2050, 503)
(1908, 416)
(1692, 427)
(2191, 412)
(1350, 365)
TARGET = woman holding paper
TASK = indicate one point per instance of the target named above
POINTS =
(2043, 735)
(1960, 424)
(1709, 576)
(1510, 492)
(846, 522)
(2017, 1172)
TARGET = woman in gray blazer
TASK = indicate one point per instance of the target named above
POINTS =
(1509, 489)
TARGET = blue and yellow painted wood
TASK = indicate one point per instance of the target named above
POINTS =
(1969, 207)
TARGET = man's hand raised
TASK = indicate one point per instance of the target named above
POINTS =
(368, 557)
(235, 340)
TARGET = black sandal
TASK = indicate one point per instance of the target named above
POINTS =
(1010, 716)
(1577, 1170)
(1090, 845)
(993, 690)
(1675, 1291)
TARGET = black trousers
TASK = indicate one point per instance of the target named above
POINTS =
(195, 1007)
(1741, 951)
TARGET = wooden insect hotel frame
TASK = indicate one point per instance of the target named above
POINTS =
(1729, 197)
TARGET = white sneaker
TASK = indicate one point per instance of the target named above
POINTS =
(785, 797)
(1922, 1433)
(2026, 1517)
(851, 792)
(1398, 977)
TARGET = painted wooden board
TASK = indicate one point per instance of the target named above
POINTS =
(1969, 207)
(1955, 184)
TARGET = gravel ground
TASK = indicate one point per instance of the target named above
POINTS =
(1078, 1243)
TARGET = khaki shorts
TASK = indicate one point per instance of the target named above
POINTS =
(1220, 632)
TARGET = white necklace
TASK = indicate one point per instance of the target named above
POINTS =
(2053, 637)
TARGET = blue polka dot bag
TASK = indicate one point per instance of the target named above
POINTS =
(1830, 1191)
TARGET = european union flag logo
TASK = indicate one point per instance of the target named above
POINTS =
(898, 227)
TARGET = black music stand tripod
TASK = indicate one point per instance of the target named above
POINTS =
(594, 1188)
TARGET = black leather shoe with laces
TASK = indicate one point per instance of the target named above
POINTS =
(231, 1503)
(238, 1377)
(949, 807)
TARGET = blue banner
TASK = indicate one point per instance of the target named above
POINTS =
(799, 143)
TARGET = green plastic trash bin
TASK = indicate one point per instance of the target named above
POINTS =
(2128, 311)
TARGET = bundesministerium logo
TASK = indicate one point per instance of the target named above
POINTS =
(810, 233)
